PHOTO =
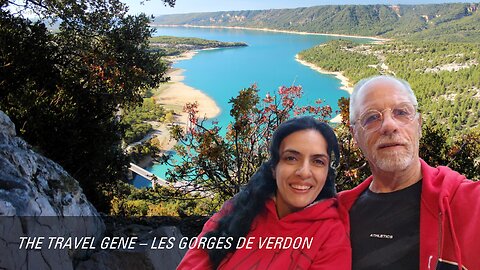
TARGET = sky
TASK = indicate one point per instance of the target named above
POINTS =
(156, 7)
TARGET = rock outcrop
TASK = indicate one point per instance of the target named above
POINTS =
(38, 198)
(46, 222)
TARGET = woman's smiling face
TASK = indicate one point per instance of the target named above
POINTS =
(301, 171)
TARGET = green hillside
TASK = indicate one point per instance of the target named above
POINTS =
(444, 76)
(465, 29)
(447, 22)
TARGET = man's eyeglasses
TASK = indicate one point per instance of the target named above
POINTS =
(372, 120)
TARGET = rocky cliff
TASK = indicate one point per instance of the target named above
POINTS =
(46, 222)
(38, 198)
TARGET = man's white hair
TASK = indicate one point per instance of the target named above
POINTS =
(363, 84)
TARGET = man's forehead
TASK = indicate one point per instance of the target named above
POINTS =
(384, 90)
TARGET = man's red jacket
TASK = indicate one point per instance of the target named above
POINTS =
(449, 218)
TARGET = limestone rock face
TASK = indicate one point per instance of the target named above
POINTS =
(39, 198)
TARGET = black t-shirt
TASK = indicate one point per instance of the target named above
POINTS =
(385, 229)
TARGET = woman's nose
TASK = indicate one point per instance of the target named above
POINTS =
(304, 171)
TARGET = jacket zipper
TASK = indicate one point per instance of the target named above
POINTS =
(440, 238)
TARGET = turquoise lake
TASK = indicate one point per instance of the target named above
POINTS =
(268, 61)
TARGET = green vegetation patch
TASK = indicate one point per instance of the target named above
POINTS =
(340, 56)
(163, 201)
(444, 76)
(136, 120)
(176, 45)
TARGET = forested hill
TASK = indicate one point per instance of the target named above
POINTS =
(446, 22)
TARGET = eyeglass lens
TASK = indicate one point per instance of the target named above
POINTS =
(402, 113)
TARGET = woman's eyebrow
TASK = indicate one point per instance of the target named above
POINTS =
(293, 151)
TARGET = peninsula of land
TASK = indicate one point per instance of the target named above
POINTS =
(174, 95)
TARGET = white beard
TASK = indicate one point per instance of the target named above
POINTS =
(398, 161)
(395, 161)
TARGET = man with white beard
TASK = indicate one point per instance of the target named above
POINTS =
(407, 215)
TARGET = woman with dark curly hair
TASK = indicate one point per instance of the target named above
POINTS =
(286, 217)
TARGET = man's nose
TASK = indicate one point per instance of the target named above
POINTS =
(389, 124)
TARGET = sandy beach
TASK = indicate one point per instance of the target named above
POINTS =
(184, 56)
(177, 94)
(343, 80)
(174, 95)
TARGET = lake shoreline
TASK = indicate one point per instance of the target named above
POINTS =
(344, 81)
(377, 39)
(176, 94)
